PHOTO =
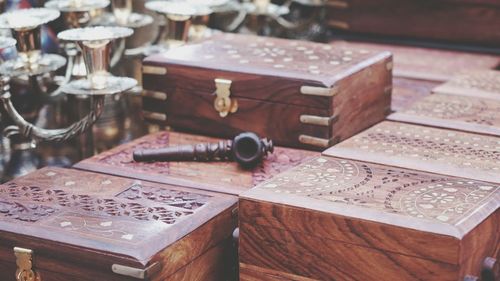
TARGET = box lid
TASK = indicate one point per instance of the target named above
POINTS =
(102, 223)
(465, 113)
(425, 63)
(226, 177)
(376, 206)
(426, 149)
(479, 84)
(271, 69)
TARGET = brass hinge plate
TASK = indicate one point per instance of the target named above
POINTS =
(154, 95)
(314, 141)
(317, 120)
(136, 272)
(318, 91)
(154, 115)
(24, 262)
(154, 70)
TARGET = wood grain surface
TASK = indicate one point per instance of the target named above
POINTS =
(423, 148)
(435, 20)
(79, 224)
(479, 84)
(328, 218)
(226, 177)
(464, 113)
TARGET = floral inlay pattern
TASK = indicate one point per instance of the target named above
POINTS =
(31, 202)
(457, 108)
(465, 151)
(485, 80)
(384, 188)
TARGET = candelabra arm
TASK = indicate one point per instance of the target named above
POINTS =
(237, 21)
(296, 25)
(118, 53)
(67, 78)
(52, 135)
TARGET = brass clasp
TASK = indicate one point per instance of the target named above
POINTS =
(223, 104)
(24, 261)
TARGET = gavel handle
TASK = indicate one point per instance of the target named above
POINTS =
(198, 152)
(176, 153)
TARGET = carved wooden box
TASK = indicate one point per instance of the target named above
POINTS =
(423, 148)
(299, 94)
(339, 219)
(417, 71)
(479, 84)
(435, 20)
(226, 177)
(466, 113)
(76, 225)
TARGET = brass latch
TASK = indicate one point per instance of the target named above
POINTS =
(223, 104)
(24, 261)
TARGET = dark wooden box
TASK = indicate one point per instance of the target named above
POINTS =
(339, 219)
(417, 71)
(226, 177)
(454, 21)
(75, 225)
(423, 148)
(299, 94)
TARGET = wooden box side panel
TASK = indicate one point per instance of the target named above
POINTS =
(316, 257)
(365, 234)
(196, 243)
(217, 264)
(419, 19)
(482, 242)
(250, 272)
(364, 99)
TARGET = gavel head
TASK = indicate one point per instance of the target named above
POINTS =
(249, 150)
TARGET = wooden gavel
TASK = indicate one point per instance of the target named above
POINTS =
(246, 148)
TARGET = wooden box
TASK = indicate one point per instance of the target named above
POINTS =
(427, 149)
(299, 94)
(465, 113)
(457, 21)
(478, 84)
(226, 177)
(417, 71)
(74, 225)
(338, 219)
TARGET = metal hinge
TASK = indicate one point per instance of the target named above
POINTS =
(319, 142)
(154, 70)
(24, 262)
(317, 120)
(136, 272)
(223, 103)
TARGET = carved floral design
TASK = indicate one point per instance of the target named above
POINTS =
(25, 212)
(389, 189)
(123, 157)
(419, 143)
(173, 205)
(458, 108)
(485, 80)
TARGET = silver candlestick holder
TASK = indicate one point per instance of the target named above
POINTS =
(95, 44)
(25, 26)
